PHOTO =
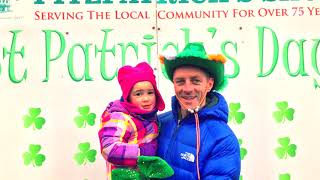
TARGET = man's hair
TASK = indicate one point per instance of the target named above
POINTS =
(196, 67)
(204, 72)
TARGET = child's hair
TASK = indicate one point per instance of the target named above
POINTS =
(128, 76)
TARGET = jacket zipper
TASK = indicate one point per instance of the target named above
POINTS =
(173, 138)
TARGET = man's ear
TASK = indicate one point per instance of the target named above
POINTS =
(210, 84)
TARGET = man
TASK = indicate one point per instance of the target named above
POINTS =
(195, 139)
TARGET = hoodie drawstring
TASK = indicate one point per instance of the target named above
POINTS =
(194, 111)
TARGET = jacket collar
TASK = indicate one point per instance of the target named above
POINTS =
(216, 108)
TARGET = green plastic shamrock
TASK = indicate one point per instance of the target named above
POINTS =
(33, 119)
(84, 117)
(33, 156)
(127, 174)
(286, 148)
(234, 114)
(150, 167)
(283, 113)
(85, 154)
(243, 151)
(284, 176)
(154, 167)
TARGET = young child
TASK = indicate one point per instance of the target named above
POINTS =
(129, 127)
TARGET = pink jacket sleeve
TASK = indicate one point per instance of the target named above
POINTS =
(114, 135)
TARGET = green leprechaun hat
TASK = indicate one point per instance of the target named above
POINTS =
(194, 54)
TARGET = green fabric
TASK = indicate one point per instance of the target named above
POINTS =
(126, 174)
(193, 49)
(149, 167)
(194, 54)
(154, 167)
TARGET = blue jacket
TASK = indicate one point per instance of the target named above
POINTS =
(219, 156)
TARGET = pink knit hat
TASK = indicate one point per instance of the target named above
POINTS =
(128, 76)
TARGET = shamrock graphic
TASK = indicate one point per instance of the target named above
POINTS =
(84, 117)
(33, 156)
(284, 176)
(243, 151)
(283, 113)
(85, 154)
(33, 119)
(286, 148)
(234, 114)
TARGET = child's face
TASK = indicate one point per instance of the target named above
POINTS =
(143, 95)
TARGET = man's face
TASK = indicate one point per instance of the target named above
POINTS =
(190, 85)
